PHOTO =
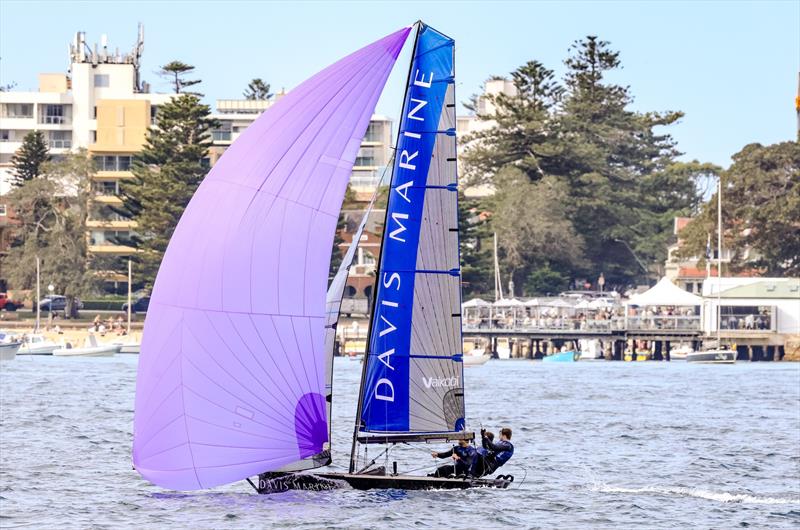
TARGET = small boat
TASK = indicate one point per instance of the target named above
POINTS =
(90, 348)
(562, 357)
(713, 356)
(131, 346)
(680, 352)
(240, 383)
(37, 344)
(8, 350)
(476, 358)
(359, 357)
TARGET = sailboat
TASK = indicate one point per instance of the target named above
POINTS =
(717, 354)
(235, 372)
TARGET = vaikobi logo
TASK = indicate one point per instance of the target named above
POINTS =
(440, 382)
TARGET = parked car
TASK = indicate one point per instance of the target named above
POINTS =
(55, 302)
(139, 305)
(8, 304)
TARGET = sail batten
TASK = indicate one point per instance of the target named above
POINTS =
(232, 374)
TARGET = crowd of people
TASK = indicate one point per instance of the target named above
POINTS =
(109, 325)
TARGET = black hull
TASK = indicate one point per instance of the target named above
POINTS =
(272, 483)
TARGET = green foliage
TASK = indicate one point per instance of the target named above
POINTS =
(53, 210)
(760, 211)
(546, 282)
(475, 238)
(174, 71)
(27, 161)
(257, 89)
(612, 174)
(166, 174)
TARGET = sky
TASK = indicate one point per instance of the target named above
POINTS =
(731, 67)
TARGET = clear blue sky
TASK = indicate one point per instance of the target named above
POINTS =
(732, 67)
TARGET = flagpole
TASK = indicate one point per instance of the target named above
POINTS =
(38, 295)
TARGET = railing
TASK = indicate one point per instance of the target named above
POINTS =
(665, 322)
(54, 120)
(221, 136)
(60, 144)
(582, 325)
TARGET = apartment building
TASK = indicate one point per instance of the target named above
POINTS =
(235, 115)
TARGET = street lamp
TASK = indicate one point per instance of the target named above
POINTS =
(646, 272)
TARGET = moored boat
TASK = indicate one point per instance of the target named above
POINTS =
(477, 357)
(8, 350)
(562, 357)
(90, 348)
(37, 344)
(712, 356)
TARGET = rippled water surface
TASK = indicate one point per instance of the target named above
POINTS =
(647, 445)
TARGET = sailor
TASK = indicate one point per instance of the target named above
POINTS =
(463, 456)
(493, 454)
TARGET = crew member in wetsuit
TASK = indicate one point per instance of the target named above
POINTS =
(494, 454)
(479, 462)
(463, 456)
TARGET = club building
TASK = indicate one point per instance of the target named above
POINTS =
(102, 104)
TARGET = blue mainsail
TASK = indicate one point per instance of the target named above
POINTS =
(413, 380)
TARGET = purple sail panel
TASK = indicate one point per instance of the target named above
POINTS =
(231, 377)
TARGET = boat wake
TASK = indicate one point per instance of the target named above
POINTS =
(724, 497)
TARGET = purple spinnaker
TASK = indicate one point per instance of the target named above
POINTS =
(231, 379)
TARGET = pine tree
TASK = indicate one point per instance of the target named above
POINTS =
(166, 174)
(27, 161)
(257, 90)
(175, 71)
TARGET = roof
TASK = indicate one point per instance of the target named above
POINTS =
(665, 293)
(767, 288)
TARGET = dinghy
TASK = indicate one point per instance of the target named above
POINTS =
(235, 372)
(90, 348)
(37, 344)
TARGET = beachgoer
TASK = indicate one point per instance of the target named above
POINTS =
(463, 456)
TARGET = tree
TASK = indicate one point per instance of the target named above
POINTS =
(53, 211)
(761, 211)
(475, 238)
(520, 132)
(166, 174)
(533, 229)
(257, 89)
(27, 161)
(175, 71)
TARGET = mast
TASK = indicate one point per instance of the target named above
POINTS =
(130, 275)
(719, 262)
(357, 423)
(38, 295)
(498, 283)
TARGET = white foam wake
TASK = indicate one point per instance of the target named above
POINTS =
(696, 492)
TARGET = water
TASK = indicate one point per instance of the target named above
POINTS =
(650, 445)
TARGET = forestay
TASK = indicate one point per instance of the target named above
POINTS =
(413, 375)
(231, 377)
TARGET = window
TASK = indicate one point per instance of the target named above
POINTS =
(3, 212)
(94, 113)
(366, 157)
(106, 187)
(93, 137)
(60, 139)
(5, 135)
(374, 131)
(101, 80)
(153, 114)
(113, 162)
(53, 114)
(16, 110)
(222, 134)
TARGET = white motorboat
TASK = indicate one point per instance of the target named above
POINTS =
(37, 344)
(713, 356)
(90, 348)
(680, 352)
(8, 350)
(476, 360)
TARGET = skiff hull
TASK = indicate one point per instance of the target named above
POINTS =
(712, 357)
(270, 483)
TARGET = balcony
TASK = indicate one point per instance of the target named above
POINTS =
(108, 224)
(111, 249)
